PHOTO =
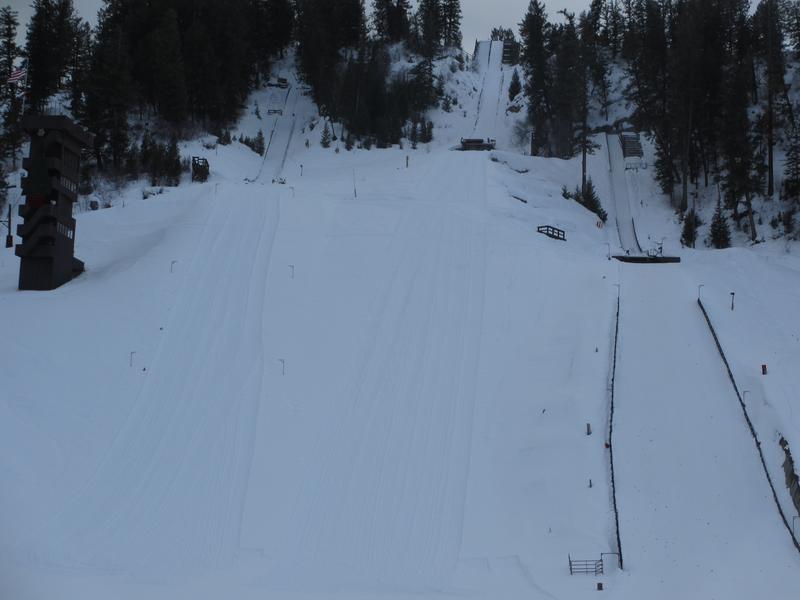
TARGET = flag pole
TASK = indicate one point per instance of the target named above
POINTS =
(24, 91)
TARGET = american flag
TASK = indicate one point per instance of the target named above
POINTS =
(17, 75)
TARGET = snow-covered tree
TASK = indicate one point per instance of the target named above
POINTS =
(720, 234)
(325, 140)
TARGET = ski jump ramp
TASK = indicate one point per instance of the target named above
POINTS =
(621, 191)
(489, 59)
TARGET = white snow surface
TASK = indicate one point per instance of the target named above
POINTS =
(374, 382)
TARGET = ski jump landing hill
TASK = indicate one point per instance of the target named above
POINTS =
(489, 62)
(296, 392)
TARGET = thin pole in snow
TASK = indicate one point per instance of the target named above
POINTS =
(131, 359)
(355, 191)
(283, 365)
(172, 266)
(733, 296)
(25, 88)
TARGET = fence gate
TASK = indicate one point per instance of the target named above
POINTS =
(585, 567)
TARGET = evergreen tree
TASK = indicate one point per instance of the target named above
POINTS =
(612, 25)
(649, 87)
(720, 234)
(451, 23)
(390, 20)
(161, 59)
(13, 135)
(515, 87)
(594, 55)
(157, 164)
(791, 177)
(48, 48)
(592, 201)
(9, 51)
(278, 27)
(739, 181)
(132, 165)
(146, 151)
(535, 31)
(381, 9)
(503, 34)
(788, 221)
(324, 30)
(110, 89)
(769, 34)
(204, 94)
(172, 162)
(79, 66)
(427, 133)
(422, 91)
(429, 17)
(259, 144)
(690, 224)
(325, 140)
(569, 88)
(3, 188)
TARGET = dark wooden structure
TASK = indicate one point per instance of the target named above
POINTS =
(631, 145)
(510, 52)
(552, 232)
(648, 259)
(477, 144)
(200, 169)
(51, 189)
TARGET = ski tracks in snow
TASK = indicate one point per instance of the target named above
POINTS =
(381, 500)
(169, 492)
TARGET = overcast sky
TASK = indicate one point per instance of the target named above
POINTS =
(479, 15)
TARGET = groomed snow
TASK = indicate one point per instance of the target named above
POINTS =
(374, 382)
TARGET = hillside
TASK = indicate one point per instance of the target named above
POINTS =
(375, 379)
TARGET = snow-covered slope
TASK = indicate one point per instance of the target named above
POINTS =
(375, 382)
(489, 61)
(481, 107)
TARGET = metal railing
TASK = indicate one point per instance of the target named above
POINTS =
(585, 567)
(553, 232)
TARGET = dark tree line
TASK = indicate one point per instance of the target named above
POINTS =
(345, 59)
(184, 65)
(178, 64)
(707, 78)
(565, 67)
(10, 99)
